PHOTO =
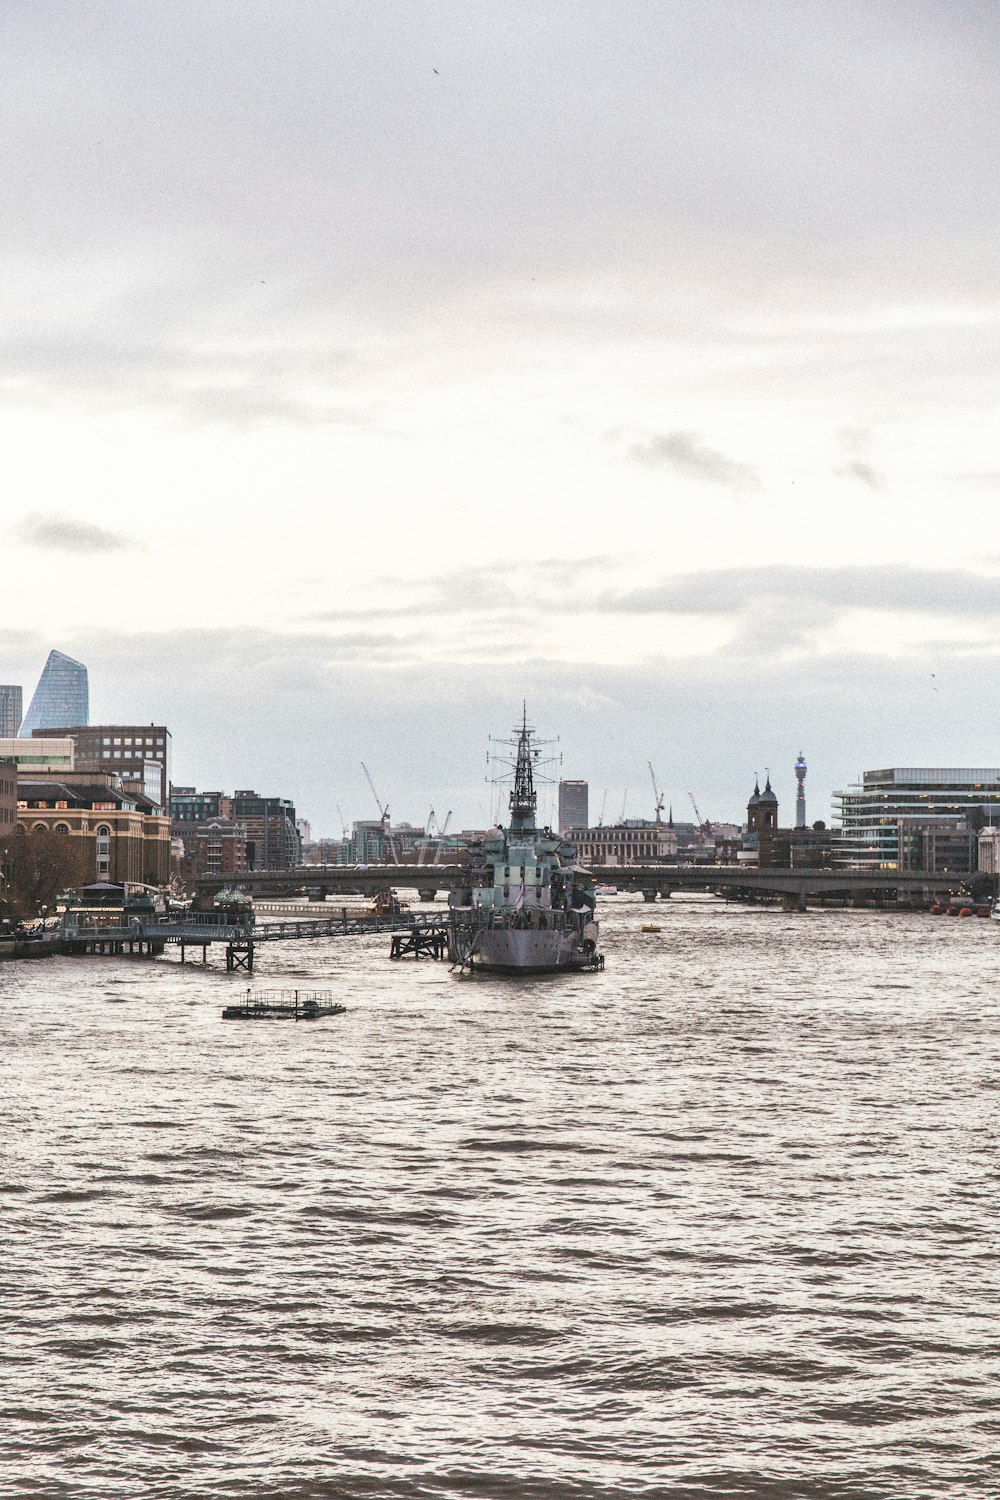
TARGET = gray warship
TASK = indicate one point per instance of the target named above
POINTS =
(528, 907)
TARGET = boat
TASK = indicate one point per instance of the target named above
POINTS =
(529, 908)
(605, 890)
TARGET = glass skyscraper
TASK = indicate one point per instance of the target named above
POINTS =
(62, 697)
(11, 710)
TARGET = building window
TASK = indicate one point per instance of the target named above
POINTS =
(62, 828)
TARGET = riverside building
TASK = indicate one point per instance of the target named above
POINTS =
(122, 833)
(268, 823)
(876, 821)
(633, 842)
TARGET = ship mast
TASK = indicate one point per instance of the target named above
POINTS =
(523, 798)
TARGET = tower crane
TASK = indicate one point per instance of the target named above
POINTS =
(442, 830)
(427, 834)
(343, 824)
(383, 810)
(657, 794)
(704, 826)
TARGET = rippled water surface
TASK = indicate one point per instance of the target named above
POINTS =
(720, 1221)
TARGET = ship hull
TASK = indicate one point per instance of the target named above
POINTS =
(513, 951)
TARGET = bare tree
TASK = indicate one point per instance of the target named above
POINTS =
(37, 867)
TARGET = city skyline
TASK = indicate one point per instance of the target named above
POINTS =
(405, 767)
(653, 361)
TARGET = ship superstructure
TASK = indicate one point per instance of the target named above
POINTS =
(529, 908)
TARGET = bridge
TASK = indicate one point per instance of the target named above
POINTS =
(796, 886)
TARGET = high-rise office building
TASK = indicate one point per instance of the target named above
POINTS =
(62, 697)
(138, 753)
(873, 822)
(272, 838)
(574, 797)
(11, 710)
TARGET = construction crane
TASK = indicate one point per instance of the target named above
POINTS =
(704, 826)
(427, 834)
(438, 833)
(343, 824)
(442, 830)
(657, 794)
(604, 800)
(383, 811)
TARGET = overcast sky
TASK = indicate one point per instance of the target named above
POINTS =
(366, 368)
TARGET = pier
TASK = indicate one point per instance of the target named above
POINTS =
(148, 937)
(427, 938)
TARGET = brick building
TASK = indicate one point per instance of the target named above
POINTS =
(216, 846)
(268, 823)
(126, 838)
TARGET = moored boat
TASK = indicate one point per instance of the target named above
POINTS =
(528, 908)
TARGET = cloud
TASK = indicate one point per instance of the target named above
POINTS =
(889, 587)
(234, 383)
(54, 533)
(863, 472)
(686, 454)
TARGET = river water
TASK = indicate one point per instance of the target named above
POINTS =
(720, 1221)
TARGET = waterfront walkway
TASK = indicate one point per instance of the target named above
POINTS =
(148, 937)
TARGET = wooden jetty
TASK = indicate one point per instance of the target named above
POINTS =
(284, 1005)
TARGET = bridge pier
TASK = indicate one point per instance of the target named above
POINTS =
(794, 902)
(649, 893)
(239, 956)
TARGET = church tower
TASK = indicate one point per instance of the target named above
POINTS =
(762, 809)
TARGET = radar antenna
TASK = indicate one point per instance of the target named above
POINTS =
(521, 755)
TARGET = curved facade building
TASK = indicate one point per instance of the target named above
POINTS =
(62, 697)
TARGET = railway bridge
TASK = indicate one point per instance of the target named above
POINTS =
(796, 886)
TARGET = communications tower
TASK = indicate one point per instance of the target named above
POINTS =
(800, 795)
